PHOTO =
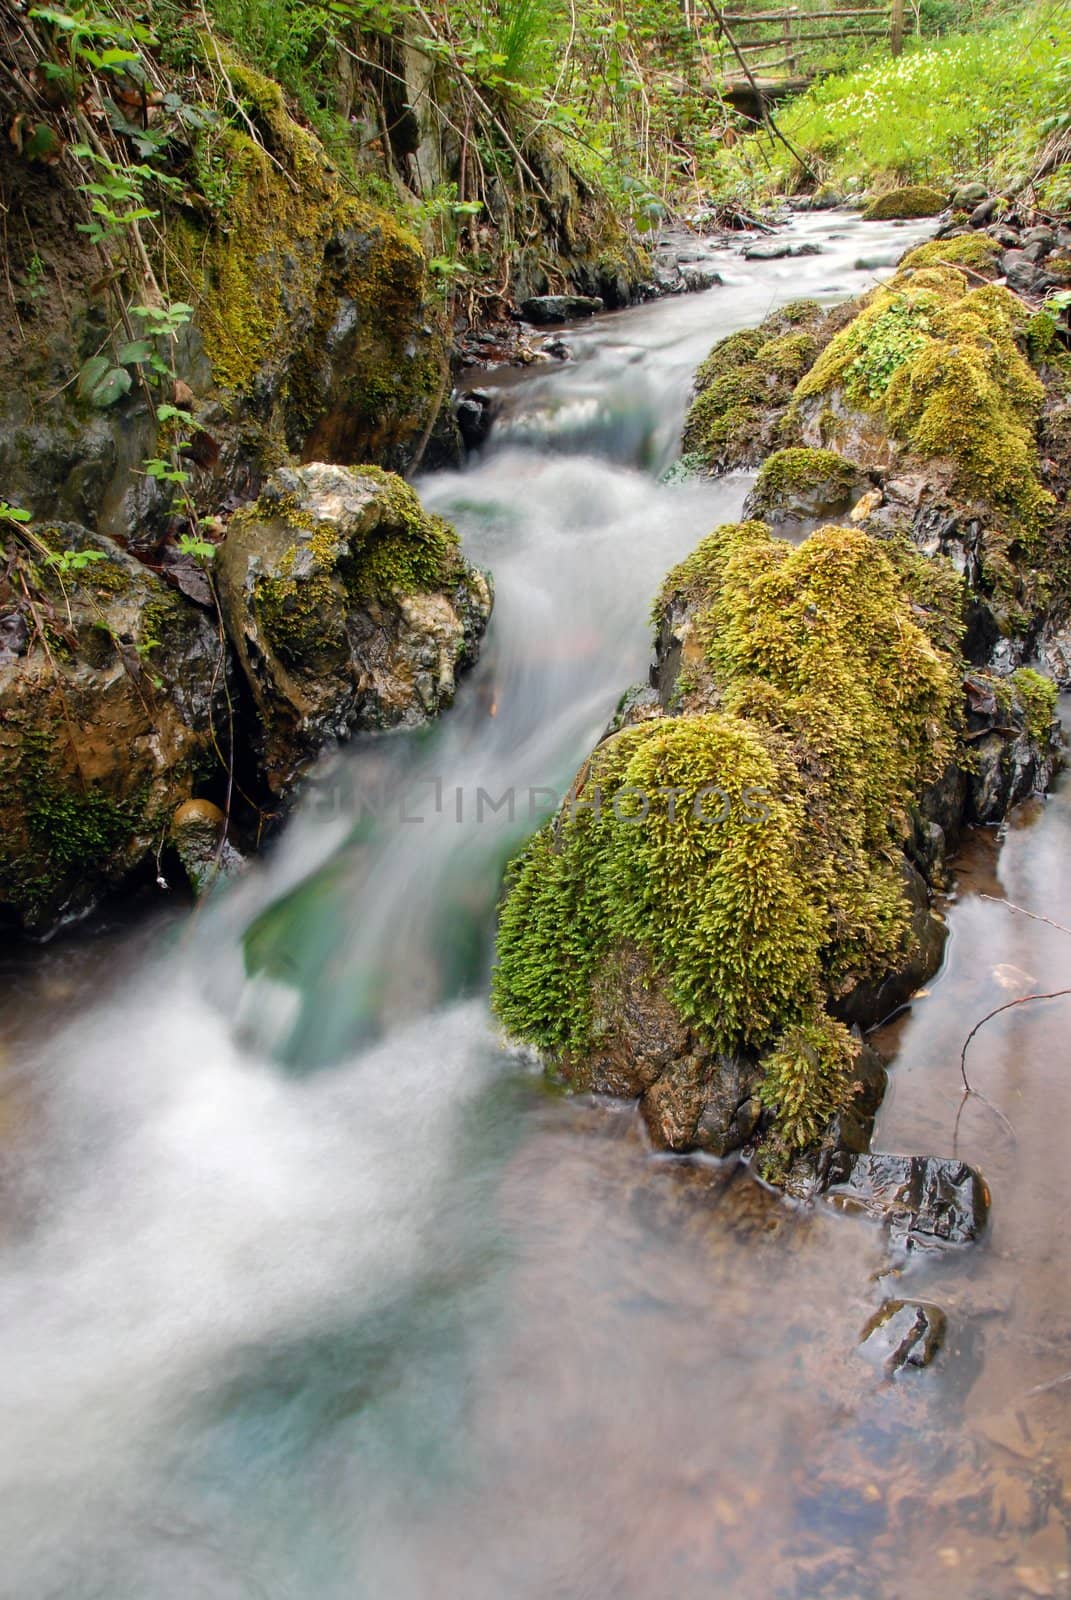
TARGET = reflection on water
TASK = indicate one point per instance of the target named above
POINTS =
(308, 1288)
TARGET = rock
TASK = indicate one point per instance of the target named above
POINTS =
(904, 1333)
(797, 486)
(348, 607)
(986, 211)
(875, 999)
(778, 250)
(557, 349)
(543, 309)
(969, 197)
(475, 416)
(1008, 237)
(1055, 649)
(915, 200)
(197, 835)
(102, 736)
(1042, 237)
(1020, 271)
(924, 1200)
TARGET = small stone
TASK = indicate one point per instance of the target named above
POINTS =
(905, 1333)
(196, 813)
(924, 1200)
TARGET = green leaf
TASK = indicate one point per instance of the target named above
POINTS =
(138, 350)
(101, 383)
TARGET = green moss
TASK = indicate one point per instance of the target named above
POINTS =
(807, 1081)
(941, 361)
(975, 250)
(915, 200)
(836, 698)
(69, 826)
(1037, 697)
(744, 381)
(797, 471)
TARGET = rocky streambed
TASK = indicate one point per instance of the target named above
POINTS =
(378, 1235)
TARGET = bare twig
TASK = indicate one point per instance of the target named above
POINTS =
(1034, 916)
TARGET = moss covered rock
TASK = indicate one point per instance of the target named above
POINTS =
(744, 386)
(111, 710)
(914, 200)
(348, 606)
(804, 485)
(749, 846)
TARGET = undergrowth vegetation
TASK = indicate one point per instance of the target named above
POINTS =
(993, 103)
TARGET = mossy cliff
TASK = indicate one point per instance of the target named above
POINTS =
(112, 710)
(312, 306)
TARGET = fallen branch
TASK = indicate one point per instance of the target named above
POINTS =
(1034, 916)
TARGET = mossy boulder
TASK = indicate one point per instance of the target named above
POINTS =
(744, 385)
(906, 204)
(932, 391)
(736, 878)
(749, 846)
(348, 605)
(112, 707)
(803, 485)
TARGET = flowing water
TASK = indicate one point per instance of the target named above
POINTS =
(310, 1288)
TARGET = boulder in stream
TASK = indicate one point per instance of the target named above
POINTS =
(349, 607)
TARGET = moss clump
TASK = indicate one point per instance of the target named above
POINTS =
(807, 1081)
(745, 381)
(1037, 697)
(941, 362)
(835, 700)
(915, 200)
(975, 250)
(788, 474)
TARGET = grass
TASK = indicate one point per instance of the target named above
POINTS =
(972, 105)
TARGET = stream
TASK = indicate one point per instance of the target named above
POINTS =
(311, 1288)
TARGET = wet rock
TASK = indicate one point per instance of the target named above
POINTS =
(924, 1200)
(969, 197)
(904, 1333)
(103, 734)
(877, 998)
(798, 486)
(1020, 271)
(198, 835)
(1041, 239)
(1055, 651)
(778, 250)
(348, 606)
(557, 349)
(475, 416)
(543, 309)
(703, 1102)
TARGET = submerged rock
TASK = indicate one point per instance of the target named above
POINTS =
(924, 1200)
(107, 719)
(904, 1333)
(348, 607)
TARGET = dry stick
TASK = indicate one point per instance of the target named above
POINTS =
(1025, 999)
(719, 18)
(1023, 912)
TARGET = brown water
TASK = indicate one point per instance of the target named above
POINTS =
(310, 1288)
